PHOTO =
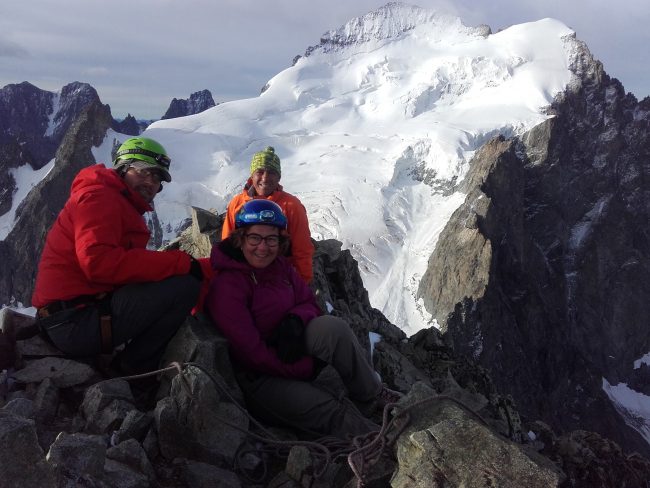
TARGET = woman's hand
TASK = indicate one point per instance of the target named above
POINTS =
(288, 339)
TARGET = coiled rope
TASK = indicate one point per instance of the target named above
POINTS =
(362, 451)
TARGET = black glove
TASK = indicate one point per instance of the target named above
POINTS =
(288, 339)
(195, 269)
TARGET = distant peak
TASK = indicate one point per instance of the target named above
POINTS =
(197, 103)
(390, 21)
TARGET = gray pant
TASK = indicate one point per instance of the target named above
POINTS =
(306, 405)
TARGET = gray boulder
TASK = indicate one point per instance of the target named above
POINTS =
(76, 456)
(63, 372)
(22, 407)
(197, 421)
(46, 400)
(135, 425)
(130, 454)
(448, 446)
(106, 404)
(22, 461)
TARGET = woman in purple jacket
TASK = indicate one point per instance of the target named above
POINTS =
(278, 335)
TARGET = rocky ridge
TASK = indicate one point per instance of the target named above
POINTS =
(390, 21)
(542, 274)
(129, 126)
(63, 423)
(32, 125)
(197, 103)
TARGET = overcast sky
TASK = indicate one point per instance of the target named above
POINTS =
(139, 54)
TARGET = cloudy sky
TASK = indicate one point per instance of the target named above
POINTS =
(139, 54)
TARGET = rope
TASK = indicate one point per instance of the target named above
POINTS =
(362, 452)
(375, 444)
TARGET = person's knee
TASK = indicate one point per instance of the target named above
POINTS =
(330, 326)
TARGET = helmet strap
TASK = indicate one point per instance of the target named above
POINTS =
(161, 159)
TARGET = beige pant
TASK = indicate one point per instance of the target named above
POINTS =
(306, 405)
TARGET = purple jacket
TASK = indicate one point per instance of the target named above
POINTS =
(247, 304)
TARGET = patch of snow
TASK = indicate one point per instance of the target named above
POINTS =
(19, 307)
(644, 360)
(26, 179)
(373, 338)
(51, 126)
(633, 406)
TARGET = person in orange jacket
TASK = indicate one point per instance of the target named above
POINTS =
(264, 182)
(98, 286)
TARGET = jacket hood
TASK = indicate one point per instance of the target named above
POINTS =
(100, 176)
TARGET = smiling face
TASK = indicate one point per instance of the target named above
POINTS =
(265, 181)
(262, 254)
(146, 182)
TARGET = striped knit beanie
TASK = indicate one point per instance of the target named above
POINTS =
(266, 159)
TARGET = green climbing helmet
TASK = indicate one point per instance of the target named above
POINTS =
(144, 149)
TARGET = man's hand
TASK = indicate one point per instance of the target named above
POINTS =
(288, 338)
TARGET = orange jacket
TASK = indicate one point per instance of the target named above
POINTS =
(302, 249)
(98, 242)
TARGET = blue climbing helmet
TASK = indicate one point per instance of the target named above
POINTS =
(260, 212)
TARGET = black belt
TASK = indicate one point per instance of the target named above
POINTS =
(60, 305)
(101, 300)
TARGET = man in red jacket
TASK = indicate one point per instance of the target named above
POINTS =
(98, 286)
(264, 182)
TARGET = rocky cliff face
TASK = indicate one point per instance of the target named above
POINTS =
(36, 120)
(543, 275)
(22, 248)
(24, 119)
(32, 125)
(129, 126)
(197, 103)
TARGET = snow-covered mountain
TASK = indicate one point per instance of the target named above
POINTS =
(375, 127)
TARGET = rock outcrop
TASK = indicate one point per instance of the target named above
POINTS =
(197, 103)
(36, 120)
(32, 125)
(129, 126)
(543, 274)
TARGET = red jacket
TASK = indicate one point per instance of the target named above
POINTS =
(302, 249)
(98, 242)
(247, 304)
